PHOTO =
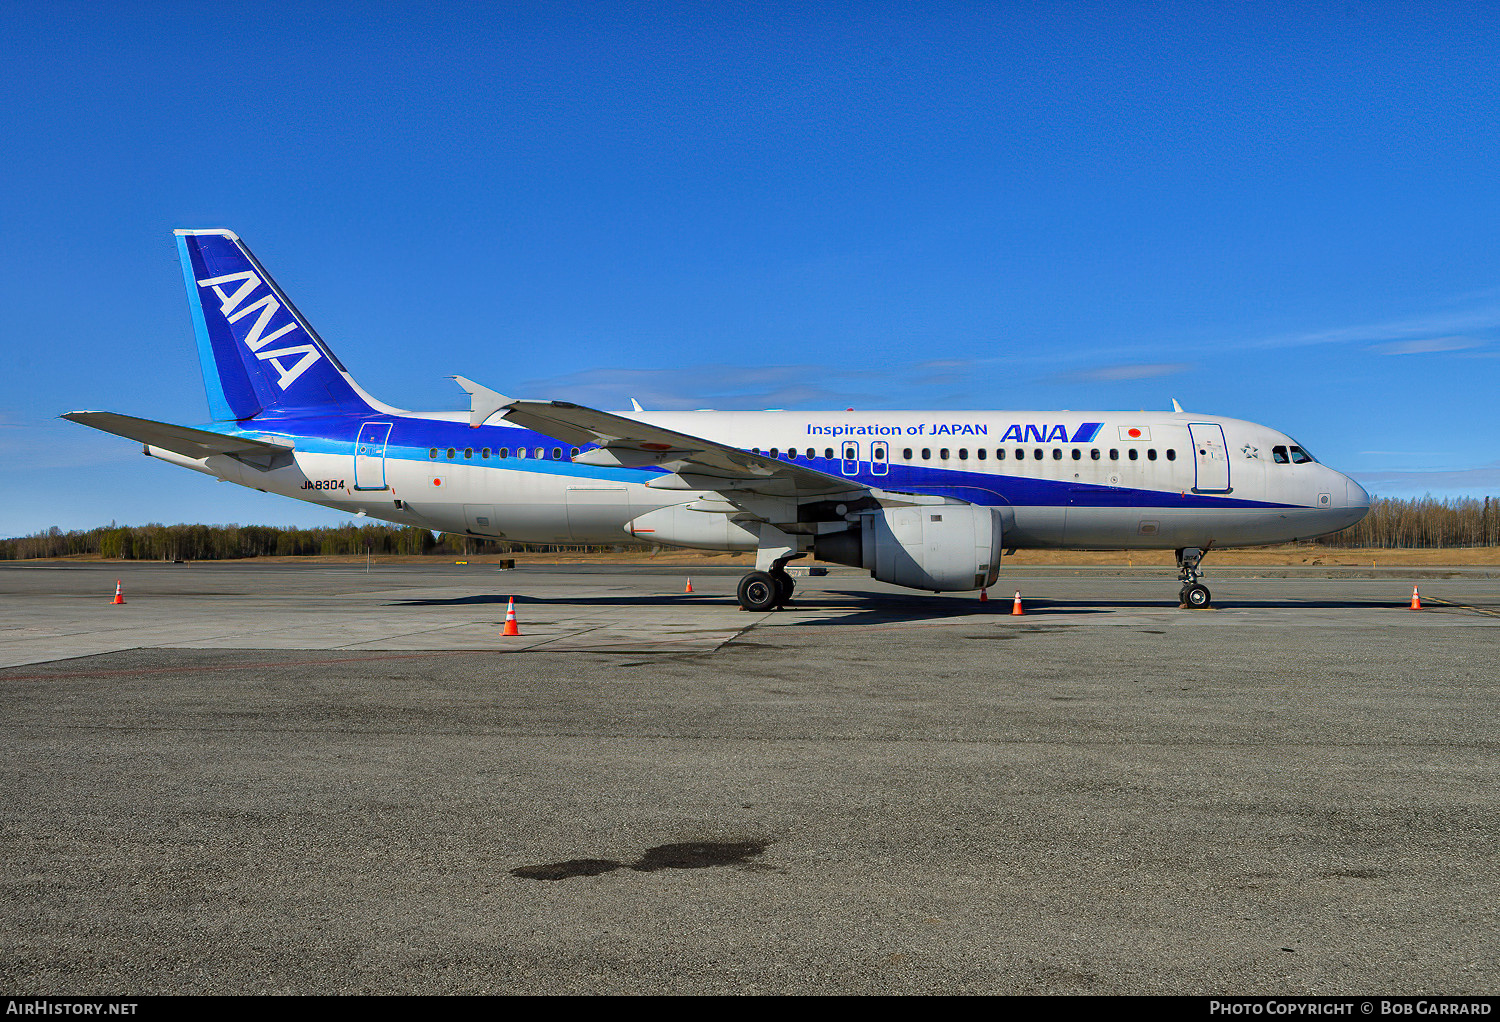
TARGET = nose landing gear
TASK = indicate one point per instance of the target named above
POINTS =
(1194, 595)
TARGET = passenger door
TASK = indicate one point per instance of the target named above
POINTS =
(1210, 457)
(369, 456)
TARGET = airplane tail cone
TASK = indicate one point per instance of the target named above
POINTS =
(119, 593)
(1416, 599)
(689, 588)
(1015, 608)
(510, 619)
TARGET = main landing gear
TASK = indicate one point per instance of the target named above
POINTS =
(1194, 595)
(761, 591)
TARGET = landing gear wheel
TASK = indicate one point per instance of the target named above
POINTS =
(784, 584)
(1196, 596)
(759, 592)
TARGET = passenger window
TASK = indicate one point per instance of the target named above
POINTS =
(1114, 454)
(1077, 454)
(1151, 454)
(1135, 455)
(981, 453)
(432, 453)
(503, 452)
(963, 454)
(1171, 454)
(791, 454)
(574, 454)
(468, 453)
(943, 454)
(812, 452)
(557, 454)
(999, 453)
(520, 452)
(485, 454)
(1038, 454)
(451, 453)
(877, 452)
(775, 452)
(1300, 457)
(755, 450)
(828, 453)
(927, 454)
(1278, 455)
(1057, 454)
(1094, 454)
(906, 454)
(541, 452)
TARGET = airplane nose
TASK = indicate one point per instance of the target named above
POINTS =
(1355, 496)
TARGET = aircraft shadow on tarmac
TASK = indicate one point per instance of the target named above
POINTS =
(864, 608)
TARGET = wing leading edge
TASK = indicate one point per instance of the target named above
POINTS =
(690, 462)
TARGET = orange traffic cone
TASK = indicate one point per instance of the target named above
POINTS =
(1015, 608)
(1416, 599)
(689, 586)
(119, 593)
(984, 596)
(510, 619)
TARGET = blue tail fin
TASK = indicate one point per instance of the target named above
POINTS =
(259, 355)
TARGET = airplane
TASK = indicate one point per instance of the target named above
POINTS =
(928, 500)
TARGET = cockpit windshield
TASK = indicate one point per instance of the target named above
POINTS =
(1290, 455)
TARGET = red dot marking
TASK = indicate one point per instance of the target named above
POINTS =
(1135, 433)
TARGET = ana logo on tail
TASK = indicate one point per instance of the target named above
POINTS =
(257, 340)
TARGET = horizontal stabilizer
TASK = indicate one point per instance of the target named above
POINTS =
(184, 440)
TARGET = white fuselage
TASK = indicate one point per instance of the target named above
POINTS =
(1061, 479)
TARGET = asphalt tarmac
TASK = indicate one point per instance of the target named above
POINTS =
(289, 779)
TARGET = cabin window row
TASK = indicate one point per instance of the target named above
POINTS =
(1040, 453)
(503, 452)
(983, 454)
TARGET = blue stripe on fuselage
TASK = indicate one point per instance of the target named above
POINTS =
(412, 438)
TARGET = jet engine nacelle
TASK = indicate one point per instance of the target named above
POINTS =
(941, 547)
(679, 525)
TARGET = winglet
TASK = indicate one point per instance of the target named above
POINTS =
(636, 405)
(485, 402)
(1176, 407)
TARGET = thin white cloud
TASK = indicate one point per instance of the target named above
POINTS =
(1479, 480)
(1428, 346)
(1415, 329)
(1124, 372)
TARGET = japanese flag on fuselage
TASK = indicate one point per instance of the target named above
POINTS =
(1135, 433)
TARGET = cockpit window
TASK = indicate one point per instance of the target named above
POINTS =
(1278, 455)
(1300, 457)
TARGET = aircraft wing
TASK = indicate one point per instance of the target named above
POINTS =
(692, 463)
(183, 440)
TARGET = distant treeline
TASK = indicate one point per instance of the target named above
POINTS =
(1392, 523)
(229, 542)
(1424, 522)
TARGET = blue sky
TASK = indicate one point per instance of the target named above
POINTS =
(1283, 212)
